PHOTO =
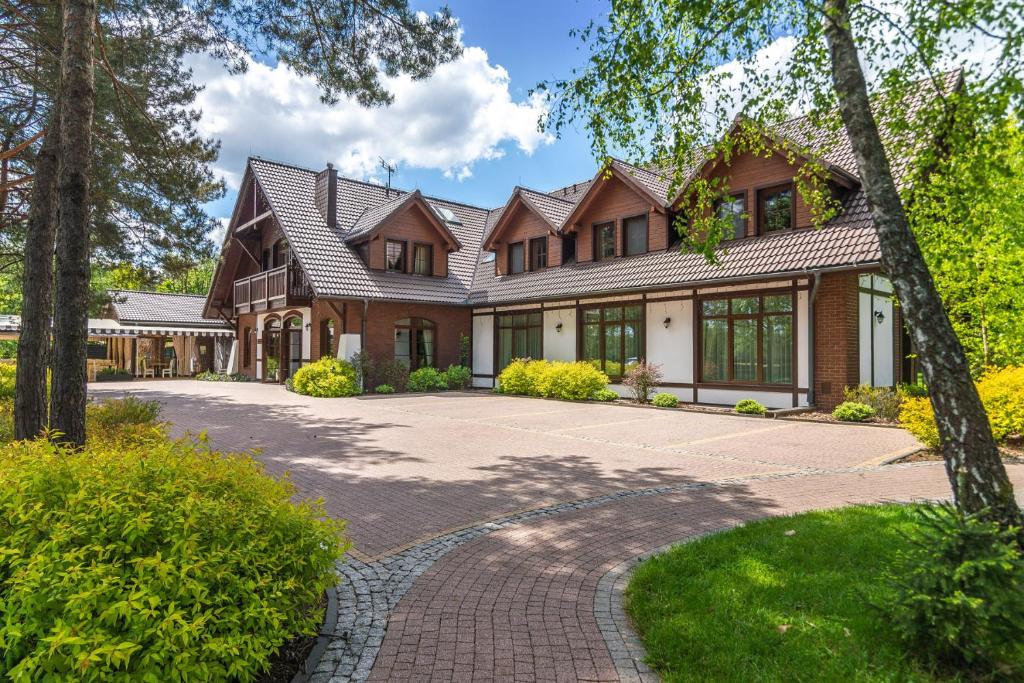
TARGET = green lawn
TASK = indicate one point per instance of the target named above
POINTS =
(755, 604)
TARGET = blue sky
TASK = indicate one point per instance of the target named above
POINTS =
(459, 147)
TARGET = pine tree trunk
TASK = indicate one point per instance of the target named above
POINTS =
(70, 328)
(976, 472)
(37, 290)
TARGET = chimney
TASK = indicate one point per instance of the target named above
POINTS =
(327, 195)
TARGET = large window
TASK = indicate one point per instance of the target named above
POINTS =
(604, 241)
(733, 210)
(516, 258)
(396, 256)
(747, 339)
(414, 342)
(634, 235)
(423, 259)
(539, 253)
(327, 338)
(613, 337)
(519, 336)
(775, 208)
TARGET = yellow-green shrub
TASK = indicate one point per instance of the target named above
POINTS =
(515, 379)
(147, 562)
(1002, 394)
(8, 371)
(326, 378)
(570, 381)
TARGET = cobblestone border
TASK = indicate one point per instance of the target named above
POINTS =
(368, 592)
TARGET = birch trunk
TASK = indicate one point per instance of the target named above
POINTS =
(975, 470)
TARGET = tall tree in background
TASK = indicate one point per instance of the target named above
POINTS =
(347, 46)
(661, 84)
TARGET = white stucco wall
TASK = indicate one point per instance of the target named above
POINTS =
(560, 345)
(770, 399)
(671, 347)
(483, 350)
(348, 345)
(876, 336)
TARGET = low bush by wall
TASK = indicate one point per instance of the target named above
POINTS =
(326, 378)
(571, 381)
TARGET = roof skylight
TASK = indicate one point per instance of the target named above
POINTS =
(447, 214)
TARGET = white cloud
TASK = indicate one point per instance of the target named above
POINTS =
(463, 114)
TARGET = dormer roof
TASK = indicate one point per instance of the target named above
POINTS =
(551, 209)
(376, 217)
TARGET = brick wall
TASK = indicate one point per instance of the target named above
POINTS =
(836, 356)
(450, 321)
(614, 202)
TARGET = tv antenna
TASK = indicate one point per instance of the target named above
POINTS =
(390, 168)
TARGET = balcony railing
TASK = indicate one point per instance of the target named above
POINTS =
(282, 286)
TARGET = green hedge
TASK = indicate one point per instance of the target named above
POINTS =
(665, 400)
(853, 411)
(578, 381)
(427, 379)
(326, 378)
(138, 560)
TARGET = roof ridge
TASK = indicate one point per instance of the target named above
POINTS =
(150, 291)
(544, 194)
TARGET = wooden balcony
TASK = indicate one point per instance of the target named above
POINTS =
(276, 288)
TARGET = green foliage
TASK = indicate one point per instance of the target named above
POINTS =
(114, 374)
(326, 378)
(8, 374)
(459, 376)
(385, 389)
(918, 418)
(112, 413)
(392, 372)
(364, 365)
(187, 277)
(209, 376)
(427, 379)
(1002, 394)
(116, 561)
(914, 390)
(465, 349)
(605, 395)
(642, 378)
(852, 411)
(885, 401)
(749, 406)
(784, 599)
(577, 381)
(665, 400)
(958, 594)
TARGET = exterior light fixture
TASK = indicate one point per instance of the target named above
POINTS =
(879, 317)
(667, 322)
(558, 327)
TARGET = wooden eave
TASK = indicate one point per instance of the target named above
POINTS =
(414, 198)
(517, 200)
(597, 185)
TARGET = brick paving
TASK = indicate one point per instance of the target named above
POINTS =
(474, 562)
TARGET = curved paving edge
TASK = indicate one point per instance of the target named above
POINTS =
(369, 591)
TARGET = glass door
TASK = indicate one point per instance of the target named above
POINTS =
(294, 331)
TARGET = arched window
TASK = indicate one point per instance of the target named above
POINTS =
(415, 342)
(292, 346)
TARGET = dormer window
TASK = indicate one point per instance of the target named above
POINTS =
(775, 209)
(604, 241)
(634, 235)
(539, 253)
(734, 211)
(516, 258)
(396, 256)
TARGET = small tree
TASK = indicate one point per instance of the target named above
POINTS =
(642, 379)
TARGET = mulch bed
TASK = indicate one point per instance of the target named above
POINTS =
(821, 416)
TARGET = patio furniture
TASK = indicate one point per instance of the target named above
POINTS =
(170, 369)
(147, 371)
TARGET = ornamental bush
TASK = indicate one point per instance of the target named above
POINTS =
(385, 389)
(605, 395)
(458, 376)
(514, 379)
(326, 378)
(665, 400)
(392, 372)
(8, 372)
(958, 594)
(749, 406)
(569, 381)
(643, 378)
(427, 379)
(1002, 394)
(133, 563)
(851, 411)
(885, 401)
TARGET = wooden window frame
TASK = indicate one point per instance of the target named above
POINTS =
(247, 347)
(522, 245)
(498, 326)
(404, 256)
(430, 257)
(598, 242)
(603, 323)
(543, 241)
(647, 236)
(413, 326)
(325, 324)
(742, 196)
(729, 316)
(763, 193)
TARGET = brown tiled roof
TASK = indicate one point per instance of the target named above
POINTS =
(152, 308)
(372, 217)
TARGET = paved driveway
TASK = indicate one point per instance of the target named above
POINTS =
(405, 468)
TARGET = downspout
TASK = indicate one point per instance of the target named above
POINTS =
(811, 393)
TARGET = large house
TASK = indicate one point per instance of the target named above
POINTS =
(315, 264)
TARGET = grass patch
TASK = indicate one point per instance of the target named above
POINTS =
(755, 603)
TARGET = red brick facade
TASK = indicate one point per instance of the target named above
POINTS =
(836, 358)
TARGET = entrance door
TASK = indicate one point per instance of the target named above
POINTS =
(293, 329)
(272, 351)
(204, 352)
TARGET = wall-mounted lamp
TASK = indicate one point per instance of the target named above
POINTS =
(309, 325)
(879, 317)
(666, 322)
(558, 328)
